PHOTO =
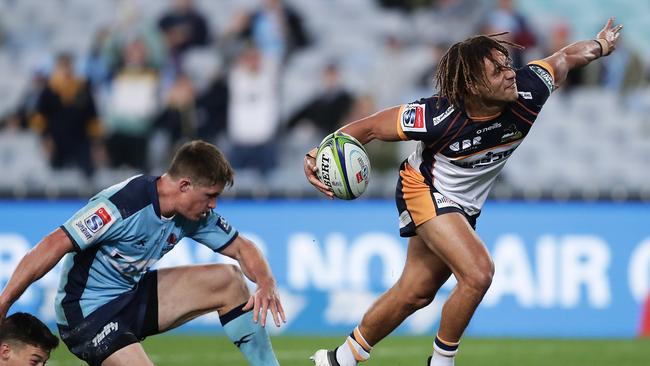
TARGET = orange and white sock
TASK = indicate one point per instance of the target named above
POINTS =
(355, 349)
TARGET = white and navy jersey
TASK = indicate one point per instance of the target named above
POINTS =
(461, 156)
(118, 236)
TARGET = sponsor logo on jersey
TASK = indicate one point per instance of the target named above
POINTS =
(108, 329)
(465, 144)
(97, 220)
(82, 229)
(486, 159)
(441, 117)
(442, 201)
(546, 77)
(511, 133)
(413, 118)
(526, 95)
(488, 128)
(224, 225)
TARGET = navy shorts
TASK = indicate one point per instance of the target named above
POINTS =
(127, 319)
(417, 202)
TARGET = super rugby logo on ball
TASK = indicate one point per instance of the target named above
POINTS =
(343, 165)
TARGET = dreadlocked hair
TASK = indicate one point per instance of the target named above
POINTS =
(462, 65)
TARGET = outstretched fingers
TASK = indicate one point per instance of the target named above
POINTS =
(262, 303)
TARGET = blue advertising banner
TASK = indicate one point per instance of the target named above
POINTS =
(562, 269)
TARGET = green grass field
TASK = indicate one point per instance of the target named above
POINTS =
(174, 350)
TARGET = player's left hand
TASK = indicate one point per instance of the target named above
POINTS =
(266, 298)
(610, 33)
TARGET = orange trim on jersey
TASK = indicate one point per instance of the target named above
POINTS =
(526, 108)
(417, 195)
(362, 342)
(522, 117)
(356, 354)
(400, 132)
(485, 118)
(546, 66)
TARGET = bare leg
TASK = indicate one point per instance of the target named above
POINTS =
(187, 292)
(190, 291)
(458, 245)
(132, 354)
(424, 273)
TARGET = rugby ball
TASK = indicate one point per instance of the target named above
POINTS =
(343, 165)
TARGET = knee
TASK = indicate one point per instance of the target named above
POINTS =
(479, 279)
(235, 275)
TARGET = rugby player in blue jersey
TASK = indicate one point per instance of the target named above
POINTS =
(109, 298)
(483, 110)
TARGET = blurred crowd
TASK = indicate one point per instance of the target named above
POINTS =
(146, 85)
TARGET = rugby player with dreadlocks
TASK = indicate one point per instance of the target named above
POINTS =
(483, 110)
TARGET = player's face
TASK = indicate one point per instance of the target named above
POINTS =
(27, 355)
(200, 200)
(500, 77)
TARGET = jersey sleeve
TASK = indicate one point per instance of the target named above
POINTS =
(215, 232)
(422, 120)
(97, 221)
(536, 82)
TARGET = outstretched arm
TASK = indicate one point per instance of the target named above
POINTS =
(254, 266)
(380, 126)
(581, 53)
(36, 263)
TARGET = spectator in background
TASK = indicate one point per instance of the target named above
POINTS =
(395, 71)
(405, 5)
(96, 68)
(326, 110)
(212, 108)
(25, 340)
(275, 27)
(253, 111)
(130, 25)
(437, 49)
(18, 119)
(184, 27)
(133, 102)
(66, 117)
(505, 18)
(560, 36)
(179, 115)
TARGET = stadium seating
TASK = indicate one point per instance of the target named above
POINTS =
(590, 143)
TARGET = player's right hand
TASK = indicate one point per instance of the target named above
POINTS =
(266, 299)
(310, 168)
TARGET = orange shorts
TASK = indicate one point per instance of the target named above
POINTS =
(418, 202)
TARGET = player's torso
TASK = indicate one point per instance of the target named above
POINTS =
(461, 156)
(483, 143)
(145, 239)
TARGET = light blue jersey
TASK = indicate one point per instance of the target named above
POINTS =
(118, 236)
